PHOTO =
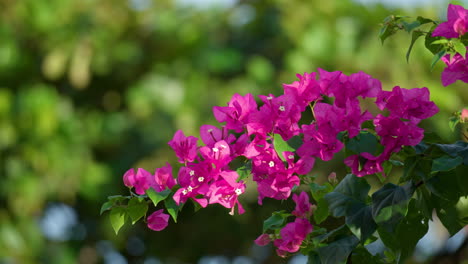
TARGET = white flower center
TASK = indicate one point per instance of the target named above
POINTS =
(210, 130)
(200, 179)
(192, 173)
(215, 149)
(291, 157)
(271, 164)
(189, 189)
(184, 192)
(223, 146)
(269, 97)
(282, 109)
(238, 191)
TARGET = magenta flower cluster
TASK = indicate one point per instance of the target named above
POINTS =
(455, 27)
(334, 100)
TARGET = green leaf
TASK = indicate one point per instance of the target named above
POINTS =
(453, 122)
(117, 218)
(349, 192)
(281, 146)
(423, 20)
(322, 212)
(458, 148)
(340, 231)
(172, 208)
(338, 251)
(157, 197)
(313, 258)
(445, 185)
(459, 47)
(318, 191)
(410, 26)
(440, 41)
(245, 171)
(429, 42)
(112, 201)
(446, 163)
(450, 218)
(136, 209)
(364, 142)
(390, 204)
(362, 255)
(275, 221)
(106, 206)
(414, 36)
(361, 222)
(406, 235)
(436, 58)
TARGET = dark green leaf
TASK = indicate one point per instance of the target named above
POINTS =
(410, 26)
(338, 251)
(445, 185)
(436, 58)
(117, 218)
(106, 206)
(361, 222)
(313, 258)
(409, 231)
(423, 20)
(450, 218)
(414, 36)
(446, 163)
(349, 192)
(364, 142)
(157, 197)
(136, 209)
(275, 221)
(429, 42)
(361, 255)
(389, 204)
(340, 231)
(245, 171)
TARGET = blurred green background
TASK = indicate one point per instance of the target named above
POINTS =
(89, 89)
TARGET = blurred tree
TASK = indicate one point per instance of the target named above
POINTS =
(92, 88)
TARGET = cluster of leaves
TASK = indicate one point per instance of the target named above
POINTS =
(384, 226)
(422, 27)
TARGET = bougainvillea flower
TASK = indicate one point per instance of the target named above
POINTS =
(219, 155)
(457, 69)
(226, 191)
(184, 147)
(191, 186)
(456, 24)
(293, 234)
(277, 185)
(237, 112)
(303, 206)
(304, 91)
(320, 142)
(364, 164)
(263, 240)
(413, 104)
(141, 180)
(210, 135)
(158, 220)
(163, 178)
(395, 132)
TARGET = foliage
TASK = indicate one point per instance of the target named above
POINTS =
(91, 88)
